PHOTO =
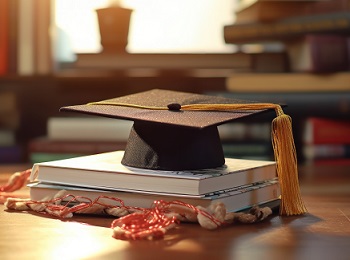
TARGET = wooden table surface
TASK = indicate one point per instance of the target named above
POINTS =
(322, 233)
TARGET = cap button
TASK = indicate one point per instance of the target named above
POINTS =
(174, 106)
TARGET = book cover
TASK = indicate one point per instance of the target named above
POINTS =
(338, 22)
(106, 171)
(235, 199)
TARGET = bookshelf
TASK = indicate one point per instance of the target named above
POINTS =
(315, 35)
(41, 93)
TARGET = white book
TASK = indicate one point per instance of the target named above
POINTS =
(88, 128)
(235, 199)
(106, 171)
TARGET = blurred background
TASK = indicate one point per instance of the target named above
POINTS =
(63, 52)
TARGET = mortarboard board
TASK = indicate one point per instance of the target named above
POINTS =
(168, 139)
(178, 131)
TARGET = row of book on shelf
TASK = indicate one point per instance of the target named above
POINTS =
(75, 136)
(68, 137)
(315, 36)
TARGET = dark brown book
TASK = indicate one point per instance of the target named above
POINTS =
(319, 53)
(271, 61)
(274, 10)
(43, 57)
(12, 36)
(287, 28)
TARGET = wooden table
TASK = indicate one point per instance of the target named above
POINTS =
(323, 233)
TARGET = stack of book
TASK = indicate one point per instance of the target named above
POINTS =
(315, 34)
(239, 184)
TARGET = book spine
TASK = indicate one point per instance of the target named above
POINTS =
(288, 82)
(319, 53)
(26, 49)
(243, 33)
(42, 42)
(326, 131)
(13, 36)
(4, 37)
(331, 162)
(88, 129)
(326, 151)
(299, 104)
(7, 137)
(10, 154)
(84, 147)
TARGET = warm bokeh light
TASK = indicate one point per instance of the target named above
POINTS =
(156, 26)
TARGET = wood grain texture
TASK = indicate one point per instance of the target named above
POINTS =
(323, 233)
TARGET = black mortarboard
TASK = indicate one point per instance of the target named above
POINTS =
(164, 137)
(178, 131)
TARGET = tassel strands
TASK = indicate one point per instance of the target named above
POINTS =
(286, 162)
(284, 152)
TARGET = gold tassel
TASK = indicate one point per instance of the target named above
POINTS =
(282, 142)
(287, 166)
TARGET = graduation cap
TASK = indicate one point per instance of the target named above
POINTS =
(178, 131)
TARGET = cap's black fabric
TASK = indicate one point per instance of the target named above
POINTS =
(164, 147)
